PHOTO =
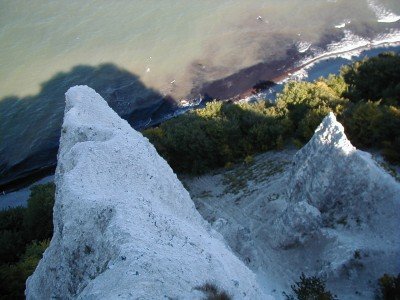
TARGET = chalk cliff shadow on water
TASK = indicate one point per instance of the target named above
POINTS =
(30, 126)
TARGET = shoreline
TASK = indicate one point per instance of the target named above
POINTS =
(279, 72)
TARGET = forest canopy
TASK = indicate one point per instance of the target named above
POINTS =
(365, 97)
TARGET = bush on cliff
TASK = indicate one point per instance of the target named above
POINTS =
(38, 218)
(308, 288)
(374, 79)
(12, 239)
(389, 287)
(218, 134)
(13, 276)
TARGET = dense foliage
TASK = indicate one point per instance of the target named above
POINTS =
(24, 235)
(365, 97)
(218, 134)
(372, 119)
(374, 79)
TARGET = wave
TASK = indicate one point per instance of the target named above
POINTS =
(303, 46)
(383, 14)
(343, 24)
(348, 47)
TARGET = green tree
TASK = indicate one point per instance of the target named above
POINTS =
(38, 221)
(310, 288)
(374, 79)
(13, 276)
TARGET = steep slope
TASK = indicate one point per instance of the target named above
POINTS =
(124, 226)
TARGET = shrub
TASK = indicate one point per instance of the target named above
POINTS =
(12, 245)
(13, 277)
(228, 165)
(38, 219)
(297, 143)
(11, 219)
(310, 288)
(213, 292)
(279, 143)
(20, 232)
(248, 160)
(12, 240)
(374, 79)
(220, 133)
(389, 287)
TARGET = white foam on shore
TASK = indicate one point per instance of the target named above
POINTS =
(343, 24)
(349, 46)
(392, 38)
(303, 46)
(349, 42)
(383, 14)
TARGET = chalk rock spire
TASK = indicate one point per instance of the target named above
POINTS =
(329, 172)
(331, 182)
(124, 226)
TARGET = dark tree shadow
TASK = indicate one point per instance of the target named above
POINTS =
(30, 126)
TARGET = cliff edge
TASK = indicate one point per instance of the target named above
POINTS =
(124, 226)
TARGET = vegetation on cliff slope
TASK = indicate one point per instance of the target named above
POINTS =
(365, 97)
(24, 235)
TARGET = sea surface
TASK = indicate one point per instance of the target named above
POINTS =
(144, 57)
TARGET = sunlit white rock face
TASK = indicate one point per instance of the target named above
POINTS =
(330, 174)
(124, 226)
(334, 213)
(331, 182)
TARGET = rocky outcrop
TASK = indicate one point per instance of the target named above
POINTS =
(293, 221)
(124, 226)
(331, 183)
(332, 175)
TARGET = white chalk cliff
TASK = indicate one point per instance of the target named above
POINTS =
(330, 173)
(124, 226)
(329, 211)
(332, 182)
(344, 210)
